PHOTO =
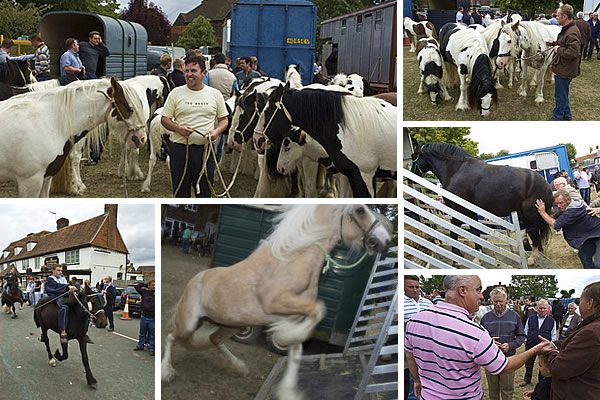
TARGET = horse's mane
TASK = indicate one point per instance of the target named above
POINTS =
(299, 227)
(445, 151)
(383, 116)
(491, 32)
(318, 110)
(481, 82)
(535, 31)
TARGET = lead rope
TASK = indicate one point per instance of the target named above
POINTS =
(53, 300)
(330, 261)
(185, 167)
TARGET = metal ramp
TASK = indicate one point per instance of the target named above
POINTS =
(368, 367)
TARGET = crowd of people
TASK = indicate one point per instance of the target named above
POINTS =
(445, 348)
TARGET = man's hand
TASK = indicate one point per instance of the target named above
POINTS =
(541, 206)
(185, 131)
(417, 389)
(545, 346)
(212, 134)
(502, 346)
(527, 395)
(556, 49)
(593, 211)
(72, 288)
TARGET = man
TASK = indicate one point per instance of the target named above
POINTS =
(537, 325)
(581, 231)
(567, 47)
(444, 336)
(459, 15)
(554, 19)
(190, 113)
(110, 294)
(165, 65)
(220, 77)
(413, 303)
(70, 63)
(596, 179)
(583, 183)
(477, 17)
(586, 33)
(56, 287)
(41, 58)
(177, 77)
(570, 321)
(436, 297)
(594, 37)
(29, 290)
(147, 318)
(246, 71)
(505, 327)
(528, 309)
(468, 17)
(5, 50)
(185, 240)
(561, 184)
(93, 54)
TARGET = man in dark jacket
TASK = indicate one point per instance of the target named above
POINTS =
(93, 54)
(586, 34)
(110, 292)
(567, 47)
(56, 287)
(595, 36)
(147, 318)
(542, 325)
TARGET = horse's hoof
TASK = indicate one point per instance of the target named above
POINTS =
(93, 384)
(52, 362)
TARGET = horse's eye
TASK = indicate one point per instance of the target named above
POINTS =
(508, 42)
(361, 211)
(286, 149)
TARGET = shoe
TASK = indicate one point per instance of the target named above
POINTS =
(88, 340)
(523, 384)
(110, 329)
(91, 162)
(566, 119)
(64, 339)
(554, 119)
(152, 353)
(138, 348)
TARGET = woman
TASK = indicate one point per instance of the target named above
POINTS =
(576, 366)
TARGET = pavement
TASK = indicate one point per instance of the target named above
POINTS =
(25, 374)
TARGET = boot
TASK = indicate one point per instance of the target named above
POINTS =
(88, 340)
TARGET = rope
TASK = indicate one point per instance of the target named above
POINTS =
(330, 261)
(54, 299)
(125, 170)
(185, 167)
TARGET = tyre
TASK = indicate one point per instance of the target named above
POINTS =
(250, 334)
(275, 347)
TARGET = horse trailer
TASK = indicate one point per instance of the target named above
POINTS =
(366, 45)
(277, 32)
(240, 230)
(127, 41)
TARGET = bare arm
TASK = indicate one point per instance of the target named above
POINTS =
(414, 371)
(171, 125)
(68, 69)
(221, 126)
(518, 360)
(541, 207)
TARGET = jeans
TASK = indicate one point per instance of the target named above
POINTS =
(589, 253)
(195, 158)
(146, 327)
(411, 388)
(585, 194)
(43, 78)
(108, 310)
(185, 246)
(63, 314)
(562, 111)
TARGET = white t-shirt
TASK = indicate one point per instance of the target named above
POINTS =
(196, 108)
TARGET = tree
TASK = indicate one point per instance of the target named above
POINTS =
(487, 156)
(197, 34)
(567, 294)
(16, 19)
(534, 285)
(104, 7)
(433, 282)
(151, 17)
(456, 136)
(571, 151)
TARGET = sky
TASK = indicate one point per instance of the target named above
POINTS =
(135, 222)
(170, 7)
(516, 137)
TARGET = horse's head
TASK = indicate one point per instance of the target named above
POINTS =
(96, 302)
(291, 151)
(362, 226)
(274, 119)
(129, 112)
(246, 116)
(420, 163)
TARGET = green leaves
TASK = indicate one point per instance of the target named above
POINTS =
(17, 20)
(456, 136)
(198, 33)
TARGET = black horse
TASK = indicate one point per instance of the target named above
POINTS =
(15, 73)
(497, 189)
(12, 297)
(46, 317)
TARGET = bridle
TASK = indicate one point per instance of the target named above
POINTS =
(365, 232)
(92, 315)
(112, 101)
(241, 132)
(278, 106)
(416, 168)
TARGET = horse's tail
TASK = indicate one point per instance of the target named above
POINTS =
(545, 233)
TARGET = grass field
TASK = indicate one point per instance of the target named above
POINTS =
(510, 107)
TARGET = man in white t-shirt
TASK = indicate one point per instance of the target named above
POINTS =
(193, 113)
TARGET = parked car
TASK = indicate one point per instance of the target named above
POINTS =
(134, 296)
(118, 303)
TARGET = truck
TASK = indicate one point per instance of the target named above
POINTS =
(546, 161)
(277, 32)
(365, 41)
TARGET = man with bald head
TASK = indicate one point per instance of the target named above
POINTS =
(446, 350)
(539, 325)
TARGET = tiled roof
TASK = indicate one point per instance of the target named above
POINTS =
(214, 10)
(93, 231)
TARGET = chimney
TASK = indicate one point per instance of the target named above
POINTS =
(61, 223)
(111, 232)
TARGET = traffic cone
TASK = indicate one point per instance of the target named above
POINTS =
(126, 310)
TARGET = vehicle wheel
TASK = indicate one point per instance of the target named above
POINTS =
(250, 334)
(276, 347)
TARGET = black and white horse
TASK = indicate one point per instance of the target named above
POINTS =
(359, 134)
(432, 73)
(466, 55)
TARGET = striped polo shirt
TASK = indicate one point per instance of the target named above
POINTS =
(450, 350)
(411, 306)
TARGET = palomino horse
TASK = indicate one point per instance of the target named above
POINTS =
(495, 188)
(46, 317)
(276, 285)
(44, 126)
(11, 298)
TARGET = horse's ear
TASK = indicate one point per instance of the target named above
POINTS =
(286, 67)
(279, 91)
(502, 23)
(297, 66)
(287, 85)
(515, 26)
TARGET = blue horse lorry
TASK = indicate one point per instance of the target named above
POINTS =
(277, 32)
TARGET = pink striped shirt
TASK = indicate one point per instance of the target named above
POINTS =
(450, 350)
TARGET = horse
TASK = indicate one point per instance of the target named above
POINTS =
(11, 298)
(276, 285)
(495, 188)
(292, 75)
(354, 83)
(359, 134)
(45, 317)
(532, 37)
(15, 73)
(432, 73)
(465, 53)
(45, 126)
(418, 30)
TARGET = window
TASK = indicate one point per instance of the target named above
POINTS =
(36, 262)
(30, 246)
(191, 207)
(343, 26)
(359, 23)
(26, 263)
(18, 250)
(72, 257)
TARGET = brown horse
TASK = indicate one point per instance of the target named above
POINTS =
(11, 298)
(46, 317)
(276, 285)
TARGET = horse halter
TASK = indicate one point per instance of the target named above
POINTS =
(93, 315)
(112, 101)
(365, 232)
(241, 132)
(416, 168)
(278, 106)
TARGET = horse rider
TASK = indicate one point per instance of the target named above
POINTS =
(57, 285)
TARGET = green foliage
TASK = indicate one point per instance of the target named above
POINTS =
(571, 151)
(16, 19)
(534, 285)
(198, 33)
(104, 7)
(433, 282)
(487, 156)
(567, 294)
(456, 136)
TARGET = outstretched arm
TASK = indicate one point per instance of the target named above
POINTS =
(541, 207)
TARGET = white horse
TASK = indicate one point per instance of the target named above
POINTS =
(44, 127)
(431, 67)
(292, 75)
(532, 37)
(275, 286)
(418, 30)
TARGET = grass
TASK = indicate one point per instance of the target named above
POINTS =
(510, 106)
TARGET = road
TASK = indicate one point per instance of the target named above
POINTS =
(25, 374)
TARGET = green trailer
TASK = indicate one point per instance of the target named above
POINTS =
(239, 232)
